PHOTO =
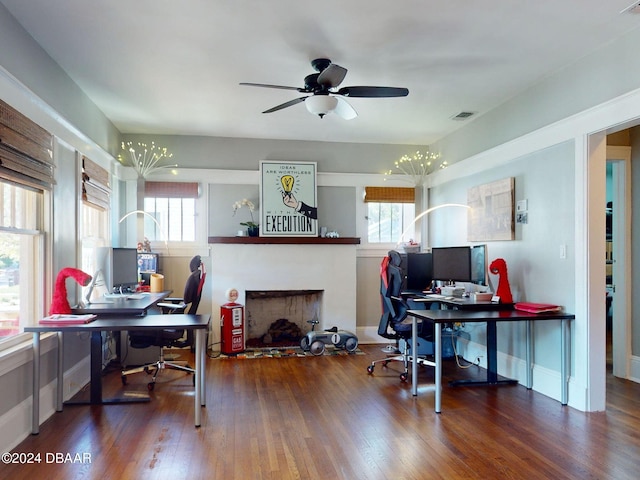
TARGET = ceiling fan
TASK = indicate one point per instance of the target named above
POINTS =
(324, 96)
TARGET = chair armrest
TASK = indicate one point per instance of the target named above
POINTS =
(173, 299)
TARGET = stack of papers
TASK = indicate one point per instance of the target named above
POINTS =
(68, 319)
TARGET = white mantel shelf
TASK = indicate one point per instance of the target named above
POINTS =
(286, 240)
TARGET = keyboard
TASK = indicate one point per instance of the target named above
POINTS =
(136, 296)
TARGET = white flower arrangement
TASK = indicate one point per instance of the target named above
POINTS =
(250, 206)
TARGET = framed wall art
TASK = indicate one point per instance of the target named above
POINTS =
(288, 199)
(491, 216)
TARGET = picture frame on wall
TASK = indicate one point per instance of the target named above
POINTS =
(491, 216)
(288, 199)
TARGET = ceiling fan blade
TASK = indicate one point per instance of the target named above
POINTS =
(290, 103)
(344, 109)
(332, 76)
(372, 92)
(266, 85)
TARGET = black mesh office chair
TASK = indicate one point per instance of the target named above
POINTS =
(167, 338)
(394, 323)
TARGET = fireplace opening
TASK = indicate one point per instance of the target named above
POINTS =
(279, 318)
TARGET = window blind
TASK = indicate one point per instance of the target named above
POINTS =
(96, 184)
(390, 194)
(26, 150)
(171, 189)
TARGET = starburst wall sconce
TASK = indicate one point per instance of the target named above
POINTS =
(146, 159)
(416, 166)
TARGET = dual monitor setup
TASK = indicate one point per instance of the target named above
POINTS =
(119, 271)
(445, 264)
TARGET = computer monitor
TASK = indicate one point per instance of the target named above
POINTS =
(124, 269)
(99, 264)
(148, 263)
(479, 264)
(418, 271)
(451, 264)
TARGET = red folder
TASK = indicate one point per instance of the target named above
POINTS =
(537, 307)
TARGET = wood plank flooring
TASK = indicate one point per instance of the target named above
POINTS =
(325, 417)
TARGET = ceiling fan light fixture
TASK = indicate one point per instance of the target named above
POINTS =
(321, 104)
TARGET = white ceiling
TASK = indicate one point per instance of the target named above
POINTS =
(173, 66)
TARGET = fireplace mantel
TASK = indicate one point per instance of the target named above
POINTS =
(286, 240)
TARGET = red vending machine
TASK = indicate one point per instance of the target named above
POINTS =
(232, 328)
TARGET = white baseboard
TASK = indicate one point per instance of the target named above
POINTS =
(634, 369)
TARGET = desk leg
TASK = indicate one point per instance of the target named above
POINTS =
(414, 356)
(437, 331)
(529, 352)
(492, 363)
(198, 378)
(96, 368)
(203, 371)
(60, 387)
(565, 349)
(35, 406)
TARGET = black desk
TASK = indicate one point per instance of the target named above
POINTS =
(199, 323)
(122, 305)
(439, 317)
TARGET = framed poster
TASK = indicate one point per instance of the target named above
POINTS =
(491, 216)
(288, 199)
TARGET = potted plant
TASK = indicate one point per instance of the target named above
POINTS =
(252, 227)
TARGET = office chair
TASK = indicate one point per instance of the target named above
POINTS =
(166, 338)
(394, 324)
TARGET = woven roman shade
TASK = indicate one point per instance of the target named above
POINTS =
(26, 150)
(96, 185)
(390, 194)
(171, 189)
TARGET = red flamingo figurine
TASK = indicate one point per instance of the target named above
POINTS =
(499, 267)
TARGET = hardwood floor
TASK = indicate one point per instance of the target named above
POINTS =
(325, 417)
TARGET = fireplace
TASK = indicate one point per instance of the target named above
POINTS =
(329, 268)
(280, 317)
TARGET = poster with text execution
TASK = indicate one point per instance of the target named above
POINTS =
(288, 199)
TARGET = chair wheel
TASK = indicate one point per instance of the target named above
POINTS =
(385, 363)
(147, 370)
(124, 379)
(150, 386)
(370, 369)
(404, 377)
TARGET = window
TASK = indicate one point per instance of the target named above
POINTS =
(26, 178)
(173, 208)
(21, 259)
(390, 211)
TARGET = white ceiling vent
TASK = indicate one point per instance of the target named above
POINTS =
(462, 116)
(633, 8)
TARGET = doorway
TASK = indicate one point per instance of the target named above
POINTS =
(618, 257)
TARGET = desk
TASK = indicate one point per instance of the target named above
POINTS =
(462, 303)
(122, 305)
(438, 317)
(199, 323)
